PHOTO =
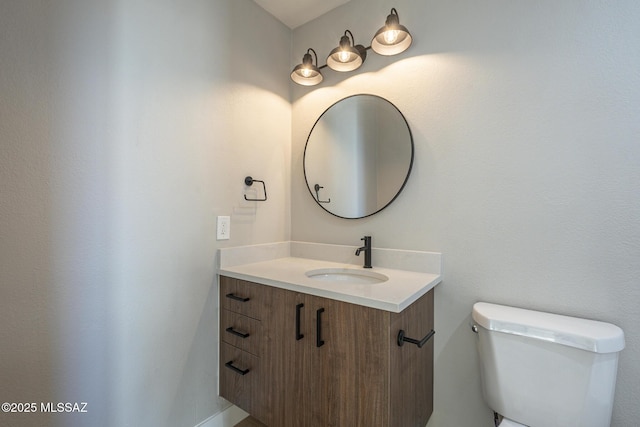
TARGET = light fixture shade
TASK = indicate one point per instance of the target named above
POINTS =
(346, 57)
(307, 74)
(393, 38)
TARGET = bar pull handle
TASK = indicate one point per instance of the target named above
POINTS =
(299, 336)
(237, 333)
(402, 339)
(235, 369)
(237, 298)
(319, 340)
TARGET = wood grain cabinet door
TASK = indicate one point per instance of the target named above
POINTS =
(352, 365)
(334, 364)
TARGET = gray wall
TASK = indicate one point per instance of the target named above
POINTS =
(125, 128)
(526, 177)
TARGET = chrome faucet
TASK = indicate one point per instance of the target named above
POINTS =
(367, 251)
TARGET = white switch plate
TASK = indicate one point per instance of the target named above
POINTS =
(223, 229)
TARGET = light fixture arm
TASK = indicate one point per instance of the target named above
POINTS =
(320, 67)
(353, 41)
(393, 18)
(314, 54)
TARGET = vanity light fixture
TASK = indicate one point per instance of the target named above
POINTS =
(347, 56)
(391, 39)
(307, 74)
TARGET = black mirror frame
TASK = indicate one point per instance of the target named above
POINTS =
(309, 186)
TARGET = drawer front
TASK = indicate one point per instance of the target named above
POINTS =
(241, 331)
(240, 378)
(243, 297)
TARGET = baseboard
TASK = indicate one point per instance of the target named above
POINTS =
(227, 418)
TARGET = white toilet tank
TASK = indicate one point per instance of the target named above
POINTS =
(547, 370)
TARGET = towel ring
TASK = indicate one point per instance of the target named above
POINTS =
(248, 181)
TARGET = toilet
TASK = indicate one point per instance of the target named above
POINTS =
(546, 370)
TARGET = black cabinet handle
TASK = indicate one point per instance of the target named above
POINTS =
(402, 339)
(299, 336)
(237, 333)
(319, 340)
(235, 369)
(237, 298)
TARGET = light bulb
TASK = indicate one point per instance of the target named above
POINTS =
(391, 36)
(343, 56)
(305, 72)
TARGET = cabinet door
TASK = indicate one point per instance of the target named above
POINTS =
(352, 366)
(294, 362)
(335, 363)
(287, 359)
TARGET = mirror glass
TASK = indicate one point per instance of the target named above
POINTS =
(358, 156)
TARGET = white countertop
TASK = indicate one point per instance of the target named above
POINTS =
(396, 294)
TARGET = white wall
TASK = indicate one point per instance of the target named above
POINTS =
(525, 120)
(125, 128)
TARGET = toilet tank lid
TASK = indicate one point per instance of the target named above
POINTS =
(590, 335)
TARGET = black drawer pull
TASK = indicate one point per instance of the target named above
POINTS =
(237, 333)
(237, 298)
(299, 336)
(319, 340)
(235, 369)
(402, 339)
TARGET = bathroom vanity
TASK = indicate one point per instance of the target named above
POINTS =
(299, 350)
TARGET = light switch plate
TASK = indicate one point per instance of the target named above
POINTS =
(223, 228)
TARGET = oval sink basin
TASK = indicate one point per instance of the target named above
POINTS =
(347, 275)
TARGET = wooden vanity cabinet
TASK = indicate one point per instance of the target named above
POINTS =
(331, 363)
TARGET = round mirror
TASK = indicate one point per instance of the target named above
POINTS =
(358, 156)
